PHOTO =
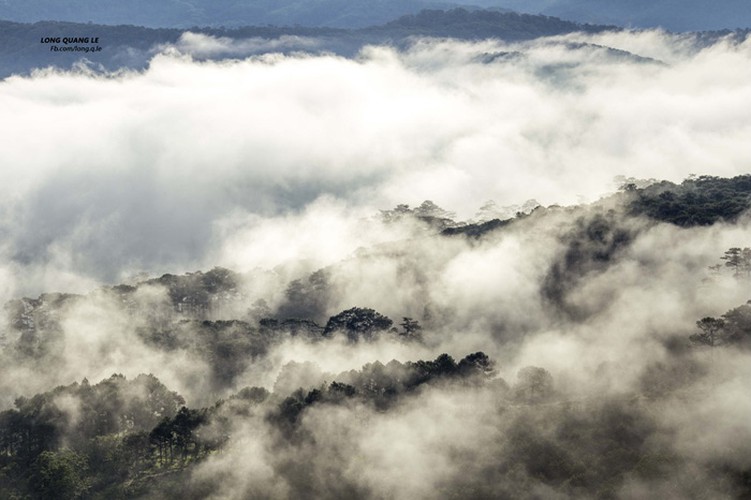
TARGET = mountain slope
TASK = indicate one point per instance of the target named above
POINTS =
(674, 15)
(174, 13)
(217, 390)
(21, 47)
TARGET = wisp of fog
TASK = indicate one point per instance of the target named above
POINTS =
(282, 168)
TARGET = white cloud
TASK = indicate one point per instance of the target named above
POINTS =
(103, 175)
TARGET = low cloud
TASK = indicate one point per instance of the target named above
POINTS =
(277, 166)
(143, 171)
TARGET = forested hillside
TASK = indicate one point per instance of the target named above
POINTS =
(459, 254)
(264, 385)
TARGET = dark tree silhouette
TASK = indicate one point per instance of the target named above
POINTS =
(411, 329)
(733, 260)
(737, 327)
(711, 332)
(358, 323)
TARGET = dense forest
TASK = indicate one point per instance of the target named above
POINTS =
(263, 385)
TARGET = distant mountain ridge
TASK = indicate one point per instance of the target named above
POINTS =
(674, 15)
(478, 24)
(230, 13)
(126, 46)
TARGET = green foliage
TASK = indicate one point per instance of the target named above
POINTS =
(177, 437)
(194, 294)
(427, 213)
(738, 260)
(307, 298)
(733, 329)
(227, 346)
(411, 329)
(60, 475)
(737, 325)
(104, 427)
(358, 324)
(305, 328)
(382, 385)
(122, 438)
(36, 321)
(699, 201)
(112, 462)
(477, 230)
(476, 364)
(712, 332)
(253, 394)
